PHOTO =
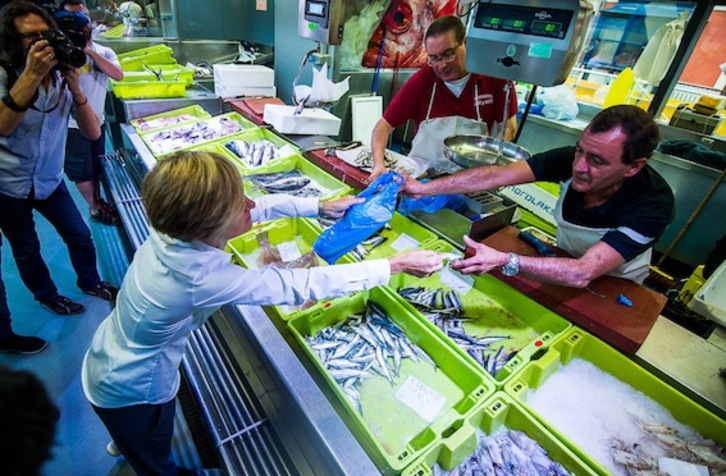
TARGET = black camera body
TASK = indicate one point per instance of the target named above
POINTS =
(66, 51)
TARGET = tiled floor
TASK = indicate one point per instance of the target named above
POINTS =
(80, 436)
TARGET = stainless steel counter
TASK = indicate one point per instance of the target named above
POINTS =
(135, 108)
(688, 362)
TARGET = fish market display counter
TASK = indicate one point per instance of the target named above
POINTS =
(271, 408)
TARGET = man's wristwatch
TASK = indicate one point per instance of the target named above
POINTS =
(512, 266)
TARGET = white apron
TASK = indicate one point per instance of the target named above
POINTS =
(577, 239)
(428, 144)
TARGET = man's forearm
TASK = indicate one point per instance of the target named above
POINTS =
(379, 141)
(110, 69)
(480, 178)
(21, 98)
(86, 117)
(597, 261)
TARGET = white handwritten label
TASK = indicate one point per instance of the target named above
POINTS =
(404, 242)
(422, 399)
(288, 251)
(285, 151)
(461, 283)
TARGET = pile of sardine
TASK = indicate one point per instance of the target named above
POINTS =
(253, 153)
(364, 345)
(293, 183)
(366, 246)
(637, 460)
(364, 160)
(445, 310)
(187, 133)
(507, 452)
(183, 136)
(144, 125)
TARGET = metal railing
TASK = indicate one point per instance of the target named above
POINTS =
(242, 434)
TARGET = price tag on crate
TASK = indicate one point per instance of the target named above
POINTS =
(405, 242)
(288, 251)
(421, 398)
(461, 283)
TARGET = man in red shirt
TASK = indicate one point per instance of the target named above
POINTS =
(444, 99)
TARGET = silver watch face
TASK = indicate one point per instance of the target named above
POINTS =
(512, 267)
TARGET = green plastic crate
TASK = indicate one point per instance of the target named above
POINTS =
(393, 434)
(299, 230)
(218, 148)
(175, 72)
(503, 310)
(136, 59)
(171, 118)
(258, 135)
(335, 187)
(162, 147)
(404, 234)
(577, 343)
(497, 412)
(145, 51)
(148, 89)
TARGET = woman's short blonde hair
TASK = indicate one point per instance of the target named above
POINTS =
(193, 196)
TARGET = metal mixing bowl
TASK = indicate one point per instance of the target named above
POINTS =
(473, 150)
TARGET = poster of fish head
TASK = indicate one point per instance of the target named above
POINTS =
(390, 32)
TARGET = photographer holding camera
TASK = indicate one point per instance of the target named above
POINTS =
(83, 156)
(39, 90)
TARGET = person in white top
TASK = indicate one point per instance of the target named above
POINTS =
(131, 12)
(83, 156)
(195, 203)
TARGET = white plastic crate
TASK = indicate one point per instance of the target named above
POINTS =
(243, 80)
(309, 121)
(710, 300)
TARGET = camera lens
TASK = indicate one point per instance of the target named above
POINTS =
(70, 54)
(65, 51)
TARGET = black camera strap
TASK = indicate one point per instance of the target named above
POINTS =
(57, 103)
(12, 79)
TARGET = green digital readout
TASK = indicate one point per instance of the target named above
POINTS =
(538, 21)
(511, 23)
(550, 28)
(505, 24)
(493, 21)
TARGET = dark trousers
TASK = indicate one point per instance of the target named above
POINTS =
(6, 329)
(18, 226)
(143, 434)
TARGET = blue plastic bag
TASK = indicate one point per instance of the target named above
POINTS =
(431, 204)
(362, 220)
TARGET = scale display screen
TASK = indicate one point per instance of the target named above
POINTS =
(537, 21)
(316, 9)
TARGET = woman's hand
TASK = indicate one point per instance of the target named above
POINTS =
(337, 208)
(419, 263)
(484, 259)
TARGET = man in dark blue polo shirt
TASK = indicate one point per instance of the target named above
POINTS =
(612, 209)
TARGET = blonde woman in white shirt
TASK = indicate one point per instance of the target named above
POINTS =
(195, 203)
